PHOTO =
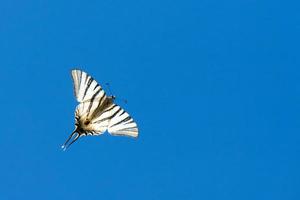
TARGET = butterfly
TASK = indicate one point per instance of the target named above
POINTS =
(97, 112)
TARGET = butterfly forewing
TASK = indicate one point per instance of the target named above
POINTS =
(121, 123)
(86, 88)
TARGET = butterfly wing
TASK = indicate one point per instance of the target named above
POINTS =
(121, 123)
(86, 88)
(99, 120)
(86, 114)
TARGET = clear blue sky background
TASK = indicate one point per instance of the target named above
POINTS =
(213, 85)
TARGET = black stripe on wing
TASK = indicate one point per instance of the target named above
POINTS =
(122, 123)
(88, 84)
(86, 87)
(111, 115)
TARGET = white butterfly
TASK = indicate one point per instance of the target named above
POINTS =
(96, 112)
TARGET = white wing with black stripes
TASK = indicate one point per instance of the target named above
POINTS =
(121, 123)
(86, 88)
(96, 112)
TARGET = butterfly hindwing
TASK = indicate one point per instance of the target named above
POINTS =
(98, 119)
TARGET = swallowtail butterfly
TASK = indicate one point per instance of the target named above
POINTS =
(96, 112)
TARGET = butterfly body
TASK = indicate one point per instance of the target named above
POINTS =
(96, 112)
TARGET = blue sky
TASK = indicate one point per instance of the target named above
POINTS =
(213, 86)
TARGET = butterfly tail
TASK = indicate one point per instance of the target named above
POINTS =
(74, 136)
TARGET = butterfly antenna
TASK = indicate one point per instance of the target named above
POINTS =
(114, 97)
(108, 88)
(125, 101)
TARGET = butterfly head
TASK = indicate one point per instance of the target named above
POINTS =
(112, 98)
